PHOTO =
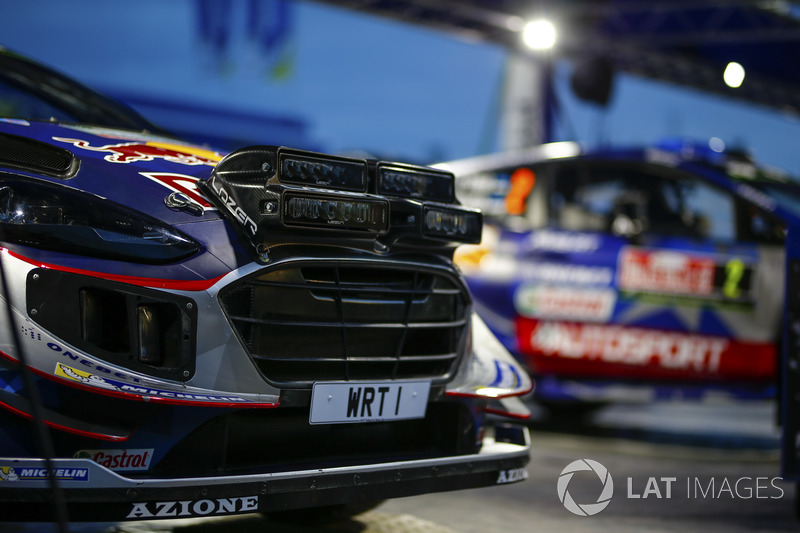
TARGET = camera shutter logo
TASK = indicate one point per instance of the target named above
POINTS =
(586, 509)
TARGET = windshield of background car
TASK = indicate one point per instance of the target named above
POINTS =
(628, 199)
(34, 92)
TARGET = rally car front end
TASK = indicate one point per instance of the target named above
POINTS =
(303, 340)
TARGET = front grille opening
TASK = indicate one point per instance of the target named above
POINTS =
(342, 321)
(160, 334)
(104, 319)
(286, 441)
(145, 330)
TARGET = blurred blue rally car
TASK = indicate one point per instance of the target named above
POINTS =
(632, 274)
(184, 334)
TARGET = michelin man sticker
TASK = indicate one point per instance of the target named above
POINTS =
(7, 473)
(83, 377)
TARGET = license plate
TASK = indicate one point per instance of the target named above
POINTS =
(339, 403)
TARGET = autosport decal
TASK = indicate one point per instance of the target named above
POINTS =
(188, 508)
(10, 473)
(180, 183)
(131, 152)
(621, 351)
(544, 301)
(93, 380)
(670, 272)
(135, 460)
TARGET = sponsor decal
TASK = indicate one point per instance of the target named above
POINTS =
(506, 376)
(131, 152)
(119, 460)
(624, 351)
(558, 241)
(565, 302)
(674, 274)
(512, 476)
(567, 274)
(666, 272)
(93, 380)
(83, 377)
(183, 508)
(77, 358)
(230, 203)
(180, 183)
(11, 473)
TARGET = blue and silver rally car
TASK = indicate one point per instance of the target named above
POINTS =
(632, 274)
(185, 334)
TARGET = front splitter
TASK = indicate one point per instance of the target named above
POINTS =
(93, 493)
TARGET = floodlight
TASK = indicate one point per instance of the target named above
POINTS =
(734, 75)
(539, 34)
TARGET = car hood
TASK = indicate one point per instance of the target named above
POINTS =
(136, 169)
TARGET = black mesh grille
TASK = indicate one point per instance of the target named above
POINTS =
(302, 324)
(286, 441)
(34, 156)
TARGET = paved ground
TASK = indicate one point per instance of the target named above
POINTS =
(677, 467)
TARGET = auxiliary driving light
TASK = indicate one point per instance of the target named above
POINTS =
(415, 182)
(463, 225)
(328, 172)
(336, 212)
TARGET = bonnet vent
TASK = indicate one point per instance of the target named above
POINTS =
(21, 153)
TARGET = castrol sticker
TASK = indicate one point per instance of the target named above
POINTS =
(136, 460)
(544, 301)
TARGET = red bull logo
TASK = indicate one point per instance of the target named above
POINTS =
(182, 184)
(131, 152)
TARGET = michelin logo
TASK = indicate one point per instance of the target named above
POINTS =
(10, 473)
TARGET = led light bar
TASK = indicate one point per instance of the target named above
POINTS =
(415, 182)
(317, 170)
(463, 225)
(336, 212)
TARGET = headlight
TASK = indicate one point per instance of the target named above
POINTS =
(56, 218)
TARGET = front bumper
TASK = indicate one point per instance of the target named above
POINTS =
(94, 493)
